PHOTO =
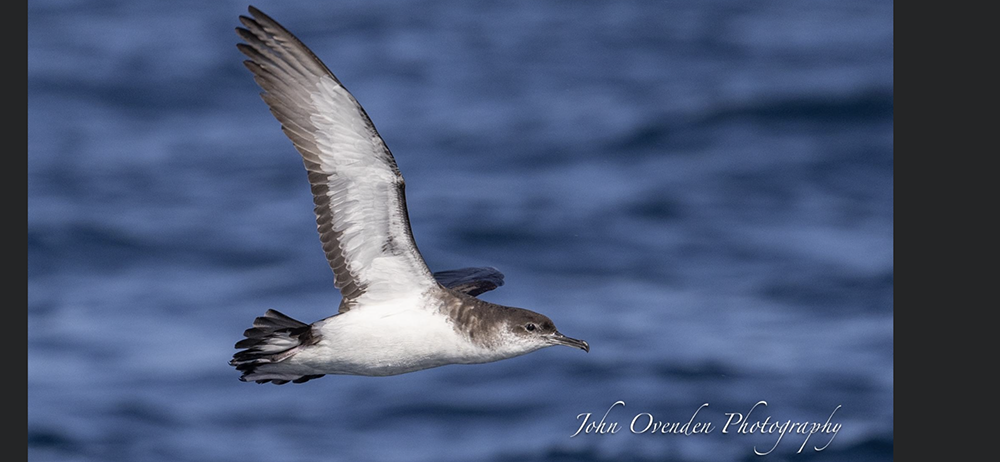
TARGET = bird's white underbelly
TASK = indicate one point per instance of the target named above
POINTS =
(389, 339)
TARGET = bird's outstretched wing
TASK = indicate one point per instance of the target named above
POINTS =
(472, 281)
(356, 185)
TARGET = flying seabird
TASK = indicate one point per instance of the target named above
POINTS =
(395, 316)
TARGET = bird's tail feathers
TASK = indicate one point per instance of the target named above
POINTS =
(273, 338)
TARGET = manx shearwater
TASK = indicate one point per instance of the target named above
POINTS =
(395, 316)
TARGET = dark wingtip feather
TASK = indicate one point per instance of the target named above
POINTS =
(472, 281)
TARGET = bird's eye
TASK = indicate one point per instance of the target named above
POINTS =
(529, 327)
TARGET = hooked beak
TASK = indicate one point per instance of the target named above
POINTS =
(560, 339)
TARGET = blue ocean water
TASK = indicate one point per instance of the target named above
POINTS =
(701, 190)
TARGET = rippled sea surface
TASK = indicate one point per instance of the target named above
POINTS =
(701, 190)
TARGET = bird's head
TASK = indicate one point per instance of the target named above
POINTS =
(526, 331)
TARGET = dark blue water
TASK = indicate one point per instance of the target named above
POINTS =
(702, 190)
